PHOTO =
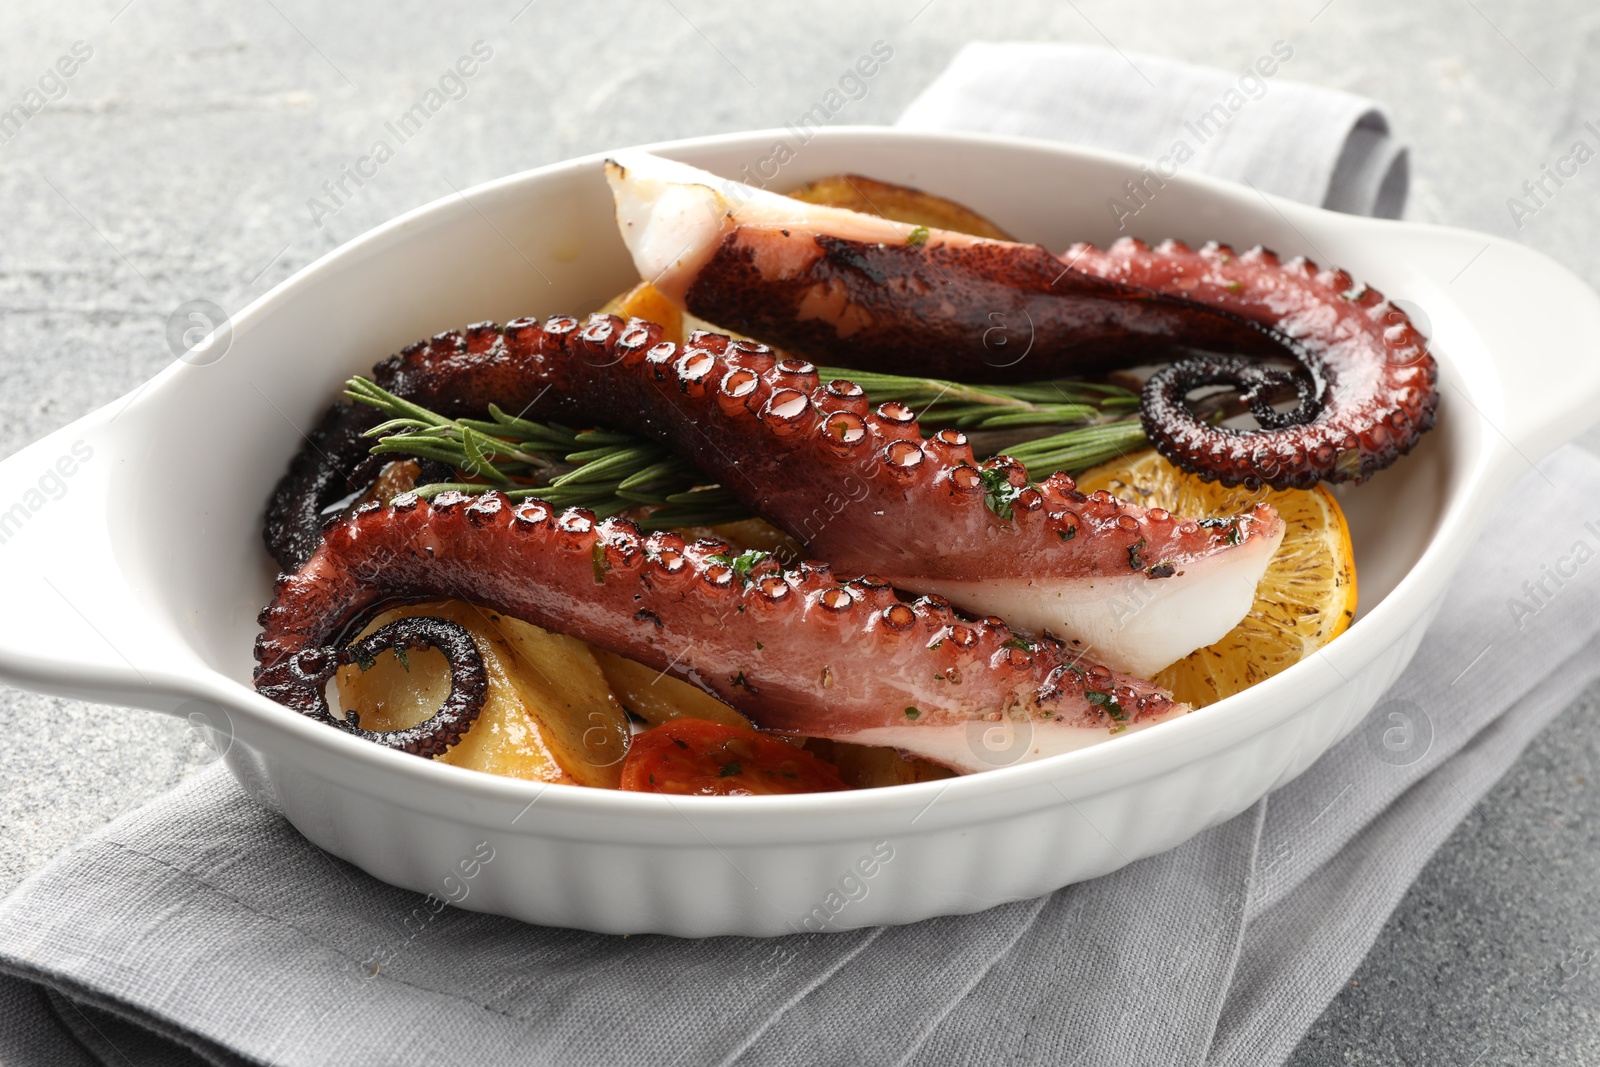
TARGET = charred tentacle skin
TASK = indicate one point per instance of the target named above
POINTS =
(335, 463)
(982, 312)
(795, 649)
(300, 681)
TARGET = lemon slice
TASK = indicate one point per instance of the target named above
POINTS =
(1306, 598)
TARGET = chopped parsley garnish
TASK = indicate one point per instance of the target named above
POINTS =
(1107, 701)
(601, 564)
(729, 769)
(1021, 643)
(918, 236)
(998, 492)
(738, 680)
(913, 713)
(1136, 554)
(1068, 534)
(1234, 535)
(1165, 569)
(742, 564)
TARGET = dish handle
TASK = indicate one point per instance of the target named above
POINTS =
(74, 623)
(1539, 328)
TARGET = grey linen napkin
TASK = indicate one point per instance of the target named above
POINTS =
(203, 929)
(1319, 146)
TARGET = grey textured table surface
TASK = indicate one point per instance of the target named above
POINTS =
(179, 161)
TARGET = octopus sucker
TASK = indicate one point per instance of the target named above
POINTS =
(835, 659)
(890, 297)
(854, 482)
(299, 680)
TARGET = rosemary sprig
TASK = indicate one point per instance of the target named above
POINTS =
(942, 403)
(610, 472)
(602, 470)
(1075, 451)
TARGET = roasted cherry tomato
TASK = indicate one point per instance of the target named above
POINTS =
(702, 758)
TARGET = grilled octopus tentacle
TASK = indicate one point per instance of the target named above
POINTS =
(885, 296)
(863, 490)
(796, 650)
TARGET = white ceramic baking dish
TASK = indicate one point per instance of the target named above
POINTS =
(135, 567)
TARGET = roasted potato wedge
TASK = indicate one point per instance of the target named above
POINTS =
(869, 767)
(657, 698)
(900, 203)
(589, 729)
(549, 715)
